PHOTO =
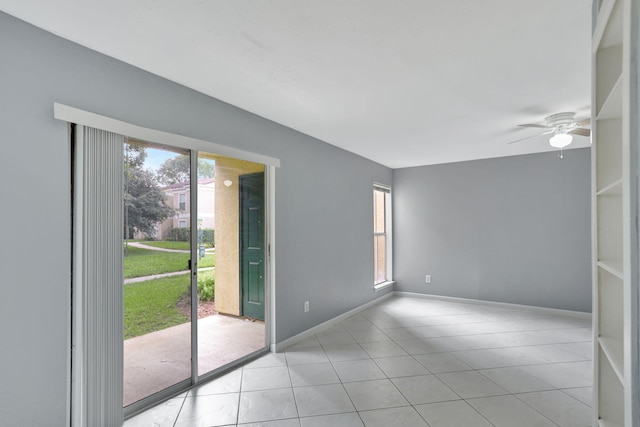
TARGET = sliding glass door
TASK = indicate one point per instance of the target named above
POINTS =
(169, 266)
(231, 288)
(194, 267)
(157, 271)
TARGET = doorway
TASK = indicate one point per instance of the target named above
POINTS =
(252, 244)
(228, 333)
(99, 234)
(184, 318)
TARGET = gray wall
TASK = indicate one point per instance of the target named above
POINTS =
(512, 229)
(323, 205)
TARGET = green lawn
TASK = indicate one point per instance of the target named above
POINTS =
(151, 306)
(144, 262)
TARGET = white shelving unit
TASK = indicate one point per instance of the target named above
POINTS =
(615, 295)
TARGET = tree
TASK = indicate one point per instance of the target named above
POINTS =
(176, 170)
(134, 156)
(144, 201)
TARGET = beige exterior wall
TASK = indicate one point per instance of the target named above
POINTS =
(227, 213)
(206, 206)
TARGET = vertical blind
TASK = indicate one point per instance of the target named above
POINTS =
(98, 278)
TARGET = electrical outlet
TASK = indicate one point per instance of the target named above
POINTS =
(427, 278)
(306, 306)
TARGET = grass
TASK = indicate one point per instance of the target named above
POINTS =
(145, 262)
(152, 305)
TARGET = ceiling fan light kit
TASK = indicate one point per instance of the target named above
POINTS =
(560, 140)
(563, 126)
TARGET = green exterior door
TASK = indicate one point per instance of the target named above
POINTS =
(252, 244)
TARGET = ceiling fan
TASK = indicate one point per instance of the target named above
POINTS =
(563, 126)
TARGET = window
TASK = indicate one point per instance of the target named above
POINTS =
(381, 235)
(182, 204)
(182, 224)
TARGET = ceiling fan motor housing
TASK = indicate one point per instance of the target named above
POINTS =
(561, 121)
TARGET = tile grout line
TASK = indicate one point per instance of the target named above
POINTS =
(526, 403)
(240, 394)
(180, 410)
(293, 392)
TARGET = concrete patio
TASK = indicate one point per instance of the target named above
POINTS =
(160, 359)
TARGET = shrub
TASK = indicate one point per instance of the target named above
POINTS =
(207, 237)
(179, 234)
(206, 287)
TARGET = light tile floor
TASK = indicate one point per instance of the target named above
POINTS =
(408, 361)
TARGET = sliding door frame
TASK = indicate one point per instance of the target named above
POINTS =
(193, 224)
(77, 406)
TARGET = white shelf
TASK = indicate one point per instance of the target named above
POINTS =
(607, 140)
(613, 267)
(613, 189)
(612, 106)
(609, 348)
(609, 214)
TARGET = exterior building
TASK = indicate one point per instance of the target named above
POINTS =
(177, 198)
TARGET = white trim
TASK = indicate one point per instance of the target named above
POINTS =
(270, 241)
(388, 229)
(382, 187)
(388, 233)
(283, 345)
(74, 115)
(632, 339)
(383, 285)
(576, 314)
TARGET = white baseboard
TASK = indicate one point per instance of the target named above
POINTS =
(283, 345)
(557, 311)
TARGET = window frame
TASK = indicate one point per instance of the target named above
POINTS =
(388, 233)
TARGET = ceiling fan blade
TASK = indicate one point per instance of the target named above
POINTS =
(584, 122)
(581, 132)
(533, 125)
(522, 139)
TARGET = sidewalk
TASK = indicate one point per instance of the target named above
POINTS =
(161, 275)
(154, 248)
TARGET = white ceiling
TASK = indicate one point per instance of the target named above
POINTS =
(403, 83)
